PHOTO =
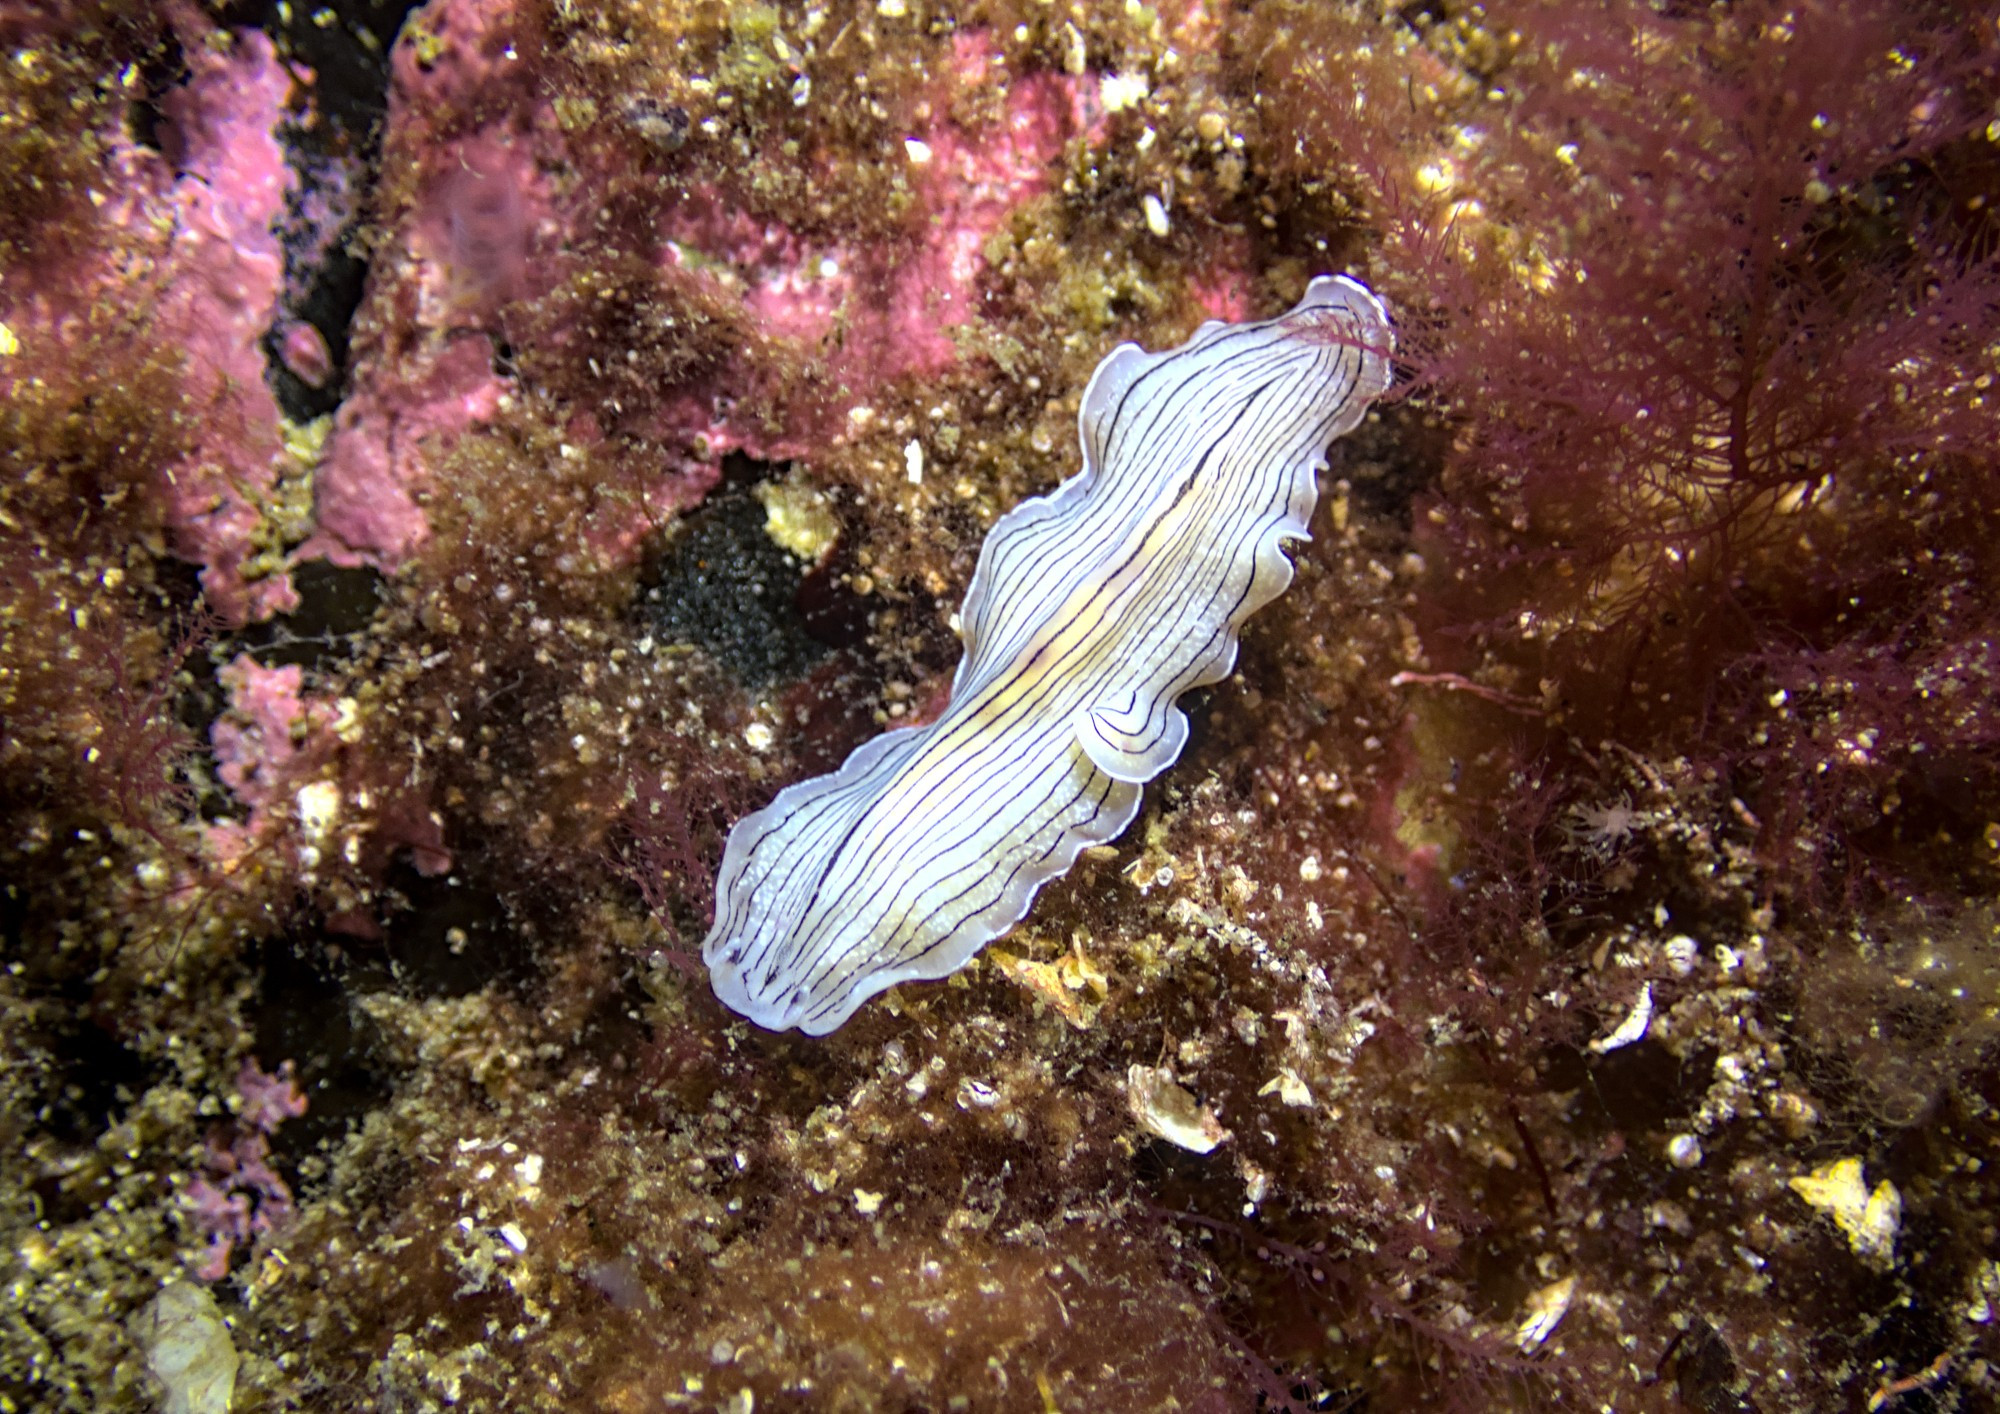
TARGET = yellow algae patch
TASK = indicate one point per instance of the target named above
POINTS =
(1072, 986)
(798, 516)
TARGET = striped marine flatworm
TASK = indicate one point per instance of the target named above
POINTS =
(1091, 610)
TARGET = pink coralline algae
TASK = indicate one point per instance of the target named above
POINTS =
(895, 316)
(374, 466)
(193, 232)
(481, 235)
(220, 276)
(266, 729)
(276, 738)
(238, 1197)
(305, 353)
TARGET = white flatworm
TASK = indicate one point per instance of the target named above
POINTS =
(1091, 611)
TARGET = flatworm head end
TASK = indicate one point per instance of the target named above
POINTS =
(1341, 313)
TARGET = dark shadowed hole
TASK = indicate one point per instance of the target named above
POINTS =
(305, 1014)
(14, 908)
(453, 937)
(1705, 1373)
(335, 606)
(725, 586)
(1187, 1182)
(831, 613)
(346, 43)
(95, 1077)
(1633, 1089)
(332, 293)
(1394, 456)
(164, 70)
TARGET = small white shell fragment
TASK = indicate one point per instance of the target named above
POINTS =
(1544, 1313)
(1289, 1088)
(511, 1234)
(758, 736)
(1633, 1027)
(1985, 1293)
(319, 807)
(1684, 1151)
(976, 1095)
(1167, 1110)
(1868, 1218)
(188, 1349)
(913, 461)
(867, 1204)
(1256, 1186)
(1075, 55)
(1120, 91)
(918, 150)
(1156, 215)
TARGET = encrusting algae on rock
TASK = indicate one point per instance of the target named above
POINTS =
(451, 477)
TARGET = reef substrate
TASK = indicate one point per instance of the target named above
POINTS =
(455, 461)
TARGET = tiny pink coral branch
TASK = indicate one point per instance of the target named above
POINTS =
(269, 1099)
(237, 1197)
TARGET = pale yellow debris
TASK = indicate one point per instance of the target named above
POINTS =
(1544, 1313)
(1868, 1218)
(1167, 1110)
(1289, 1088)
(798, 516)
(1072, 986)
